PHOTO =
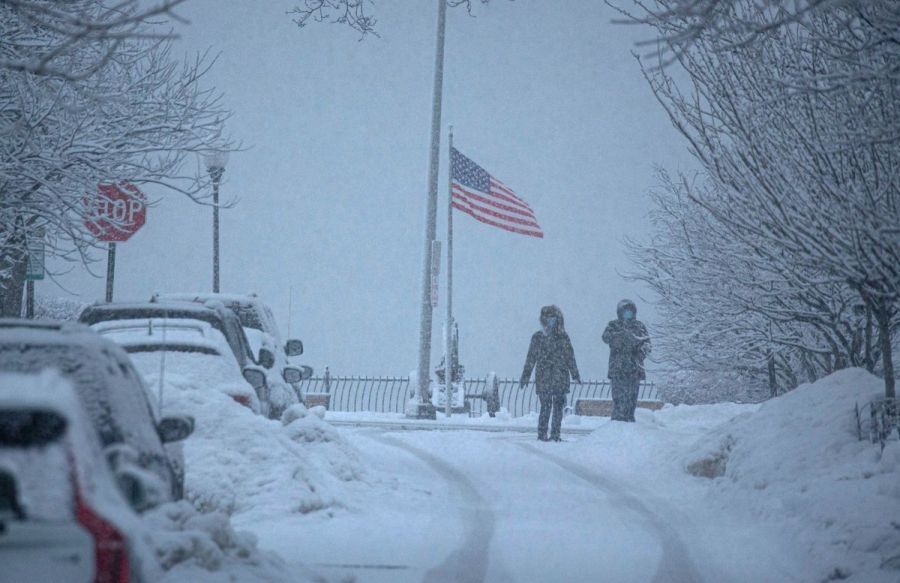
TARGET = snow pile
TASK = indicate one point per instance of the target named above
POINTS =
(787, 480)
(255, 468)
(191, 546)
(797, 461)
(56, 308)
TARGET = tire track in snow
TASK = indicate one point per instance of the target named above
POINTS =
(675, 566)
(469, 563)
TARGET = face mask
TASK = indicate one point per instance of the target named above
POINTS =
(628, 314)
(551, 322)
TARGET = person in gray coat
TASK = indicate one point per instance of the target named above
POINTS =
(552, 358)
(629, 345)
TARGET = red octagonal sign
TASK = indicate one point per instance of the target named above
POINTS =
(116, 212)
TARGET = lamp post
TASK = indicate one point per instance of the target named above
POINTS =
(215, 165)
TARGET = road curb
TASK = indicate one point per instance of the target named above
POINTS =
(432, 426)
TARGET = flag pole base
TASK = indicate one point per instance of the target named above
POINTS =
(422, 411)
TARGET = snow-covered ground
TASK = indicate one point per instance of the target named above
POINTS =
(791, 494)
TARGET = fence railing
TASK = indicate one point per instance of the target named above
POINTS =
(390, 394)
(878, 421)
(353, 394)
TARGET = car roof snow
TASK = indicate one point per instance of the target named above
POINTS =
(136, 331)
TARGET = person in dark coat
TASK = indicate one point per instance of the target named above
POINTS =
(551, 356)
(629, 345)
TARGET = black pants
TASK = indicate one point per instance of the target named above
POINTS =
(554, 402)
(624, 393)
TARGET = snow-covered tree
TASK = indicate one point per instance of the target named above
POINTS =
(134, 115)
(798, 131)
(679, 23)
(727, 310)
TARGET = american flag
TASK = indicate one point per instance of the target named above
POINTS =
(477, 193)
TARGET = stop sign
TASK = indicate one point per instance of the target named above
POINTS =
(116, 212)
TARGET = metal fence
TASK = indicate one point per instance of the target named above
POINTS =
(390, 394)
(878, 421)
(373, 394)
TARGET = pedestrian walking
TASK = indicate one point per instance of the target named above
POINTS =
(629, 345)
(551, 357)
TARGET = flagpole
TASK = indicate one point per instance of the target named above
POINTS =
(425, 409)
(448, 359)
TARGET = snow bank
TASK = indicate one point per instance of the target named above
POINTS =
(797, 461)
(191, 546)
(787, 480)
(244, 465)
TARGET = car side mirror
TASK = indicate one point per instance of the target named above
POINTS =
(266, 358)
(295, 374)
(293, 347)
(255, 376)
(292, 374)
(175, 428)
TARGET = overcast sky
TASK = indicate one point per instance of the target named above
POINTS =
(332, 186)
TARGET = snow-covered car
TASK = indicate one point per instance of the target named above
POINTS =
(160, 347)
(218, 317)
(259, 325)
(62, 517)
(114, 397)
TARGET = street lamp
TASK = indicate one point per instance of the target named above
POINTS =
(215, 165)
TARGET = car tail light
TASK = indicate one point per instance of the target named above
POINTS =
(243, 400)
(111, 552)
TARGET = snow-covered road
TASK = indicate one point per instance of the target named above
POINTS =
(783, 491)
(500, 507)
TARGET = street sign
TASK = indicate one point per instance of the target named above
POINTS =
(434, 291)
(115, 212)
(435, 271)
(35, 269)
(435, 258)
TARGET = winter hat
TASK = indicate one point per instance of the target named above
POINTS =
(626, 305)
(547, 312)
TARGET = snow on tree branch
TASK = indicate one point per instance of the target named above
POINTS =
(138, 118)
(799, 134)
(351, 13)
(42, 37)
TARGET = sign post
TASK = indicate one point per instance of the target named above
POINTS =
(110, 270)
(113, 215)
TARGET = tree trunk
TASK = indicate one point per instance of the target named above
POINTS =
(773, 379)
(870, 357)
(883, 314)
(13, 263)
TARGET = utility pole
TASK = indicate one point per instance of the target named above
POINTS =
(448, 359)
(425, 408)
